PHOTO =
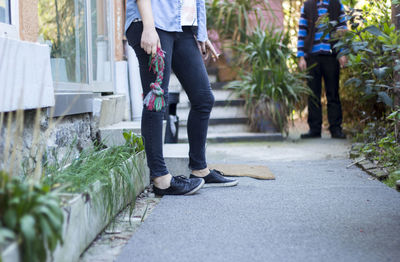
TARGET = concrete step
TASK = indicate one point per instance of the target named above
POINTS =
(220, 121)
(233, 102)
(219, 128)
(237, 137)
(112, 135)
(177, 159)
(175, 85)
(219, 86)
(219, 95)
(109, 110)
(217, 112)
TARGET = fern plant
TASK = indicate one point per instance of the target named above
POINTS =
(31, 215)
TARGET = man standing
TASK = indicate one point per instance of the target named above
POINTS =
(319, 53)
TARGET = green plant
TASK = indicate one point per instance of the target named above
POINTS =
(379, 144)
(372, 46)
(133, 140)
(393, 177)
(230, 23)
(94, 165)
(232, 19)
(394, 117)
(30, 214)
(269, 83)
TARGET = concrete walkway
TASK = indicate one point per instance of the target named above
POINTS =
(315, 210)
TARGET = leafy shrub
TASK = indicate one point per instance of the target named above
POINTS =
(379, 144)
(31, 215)
(373, 47)
(268, 82)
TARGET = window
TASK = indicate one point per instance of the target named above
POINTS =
(101, 44)
(9, 18)
(5, 12)
(81, 50)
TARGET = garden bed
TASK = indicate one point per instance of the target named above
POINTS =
(86, 215)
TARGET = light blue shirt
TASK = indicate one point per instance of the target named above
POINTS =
(167, 16)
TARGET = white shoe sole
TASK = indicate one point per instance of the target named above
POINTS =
(233, 183)
(195, 189)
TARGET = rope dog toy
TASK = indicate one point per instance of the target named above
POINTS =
(154, 100)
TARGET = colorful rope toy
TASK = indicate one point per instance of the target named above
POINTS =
(154, 100)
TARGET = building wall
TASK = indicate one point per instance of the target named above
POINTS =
(276, 7)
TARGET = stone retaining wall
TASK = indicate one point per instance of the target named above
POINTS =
(68, 136)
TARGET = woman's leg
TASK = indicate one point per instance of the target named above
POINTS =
(164, 183)
(189, 68)
(152, 121)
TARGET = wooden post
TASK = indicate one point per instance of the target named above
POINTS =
(119, 14)
(28, 20)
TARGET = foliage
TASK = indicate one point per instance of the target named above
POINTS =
(94, 165)
(379, 144)
(133, 141)
(268, 79)
(371, 80)
(372, 46)
(393, 178)
(291, 9)
(31, 215)
(232, 19)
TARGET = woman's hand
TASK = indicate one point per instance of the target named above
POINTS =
(150, 40)
(207, 48)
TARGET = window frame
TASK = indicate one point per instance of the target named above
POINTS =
(11, 30)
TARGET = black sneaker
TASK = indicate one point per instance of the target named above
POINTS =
(181, 185)
(310, 135)
(216, 178)
(338, 134)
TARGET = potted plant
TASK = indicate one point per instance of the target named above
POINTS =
(270, 85)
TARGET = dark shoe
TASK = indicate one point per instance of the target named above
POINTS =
(181, 185)
(216, 178)
(338, 134)
(310, 135)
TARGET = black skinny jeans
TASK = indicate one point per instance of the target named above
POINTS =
(326, 66)
(183, 57)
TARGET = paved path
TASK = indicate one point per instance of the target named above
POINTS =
(315, 210)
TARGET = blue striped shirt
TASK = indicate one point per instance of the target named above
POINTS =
(320, 46)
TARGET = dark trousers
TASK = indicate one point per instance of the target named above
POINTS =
(183, 57)
(326, 66)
